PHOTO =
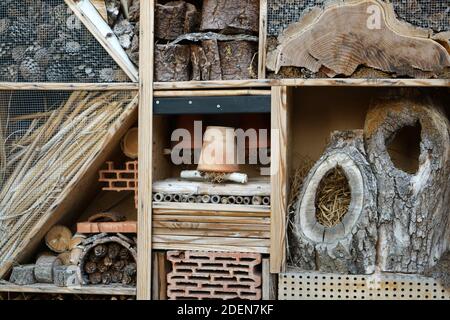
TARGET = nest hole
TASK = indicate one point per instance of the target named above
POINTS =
(404, 148)
(332, 198)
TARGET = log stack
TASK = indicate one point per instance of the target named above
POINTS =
(108, 260)
(215, 42)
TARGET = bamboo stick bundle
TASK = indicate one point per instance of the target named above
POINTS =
(49, 157)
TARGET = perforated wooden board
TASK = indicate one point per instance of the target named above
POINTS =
(325, 286)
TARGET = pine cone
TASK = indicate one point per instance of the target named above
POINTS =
(90, 267)
(4, 25)
(9, 73)
(124, 254)
(106, 277)
(95, 278)
(119, 265)
(5, 49)
(84, 72)
(57, 72)
(22, 31)
(43, 57)
(130, 269)
(116, 276)
(100, 250)
(72, 48)
(18, 53)
(102, 267)
(30, 70)
(113, 250)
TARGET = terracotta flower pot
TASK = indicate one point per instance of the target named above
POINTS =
(219, 152)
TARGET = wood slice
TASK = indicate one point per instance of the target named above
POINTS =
(233, 15)
(65, 257)
(58, 238)
(343, 36)
(238, 59)
(130, 145)
(23, 275)
(43, 270)
(172, 62)
(413, 206)
(350, 245)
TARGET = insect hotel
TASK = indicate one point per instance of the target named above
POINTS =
(225, 149)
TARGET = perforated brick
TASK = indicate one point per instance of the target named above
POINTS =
(120, 179)
(214, 275)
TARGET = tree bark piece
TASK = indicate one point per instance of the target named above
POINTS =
(413, 208)
(58, 239)
(345, 35)
(238, 59)
(43, 270)
(211, 49)
(200, 65)
(172, 62)
(231, 15)
(175, 18)
(23, 275)
(350, 246)
(62, 276)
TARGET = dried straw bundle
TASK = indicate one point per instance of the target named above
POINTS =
(45, 160)
(333, 198)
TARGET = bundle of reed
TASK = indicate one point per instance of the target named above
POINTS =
(45, 160)
(333, 198)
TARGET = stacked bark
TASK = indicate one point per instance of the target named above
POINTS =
(44, 41)
(123, 18)
(218, 43)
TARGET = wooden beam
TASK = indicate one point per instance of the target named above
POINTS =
(332, 82)
(211, 93)
(93, 21)
(279, 177)
(53, 289)
(51, 86)
(144, 270)
(262, 39)
(100, 5)
(269, 282)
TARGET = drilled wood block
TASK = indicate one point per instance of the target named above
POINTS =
(214, 275)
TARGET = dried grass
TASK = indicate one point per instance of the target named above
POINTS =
(333, 198)
(48, 158)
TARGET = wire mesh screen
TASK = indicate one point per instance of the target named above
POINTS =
(42, 40)
(432, 14)
(46, 138)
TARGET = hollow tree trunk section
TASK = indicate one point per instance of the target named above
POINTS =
(240, 15)
(350, 245)
(413, 208)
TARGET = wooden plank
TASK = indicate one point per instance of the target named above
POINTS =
(279, 177)
(92, 20)
(71, 201)
(98, 227)
(211, 93)
(212, 233)
(192, 240)
(209, 247)
(212, 213)
(51, 288)
(332, 82)
(262, 39)
(211, 219)
(254, 187)
(100, 5)
(206, 225)
(269, 282)
(184, 206)
(51, 86)
(144, 264)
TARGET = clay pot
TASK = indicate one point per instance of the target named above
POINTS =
(129, 144)
(219, 151)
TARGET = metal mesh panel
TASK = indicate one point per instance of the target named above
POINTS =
(326, 286)
(42, 40)
(46, 138)
(433, 14)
